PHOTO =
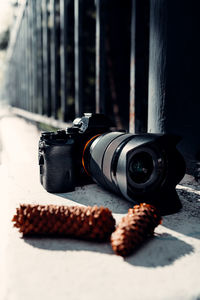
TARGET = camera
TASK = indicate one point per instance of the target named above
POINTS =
(140, 167)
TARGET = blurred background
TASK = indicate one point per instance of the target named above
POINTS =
(8, 14)
(63, 58)
(136, 61)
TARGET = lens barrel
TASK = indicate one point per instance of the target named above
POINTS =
(139, 167)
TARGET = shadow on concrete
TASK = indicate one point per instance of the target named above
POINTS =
(158, 251)
(187, 221)
(68, 244)
(93, 194)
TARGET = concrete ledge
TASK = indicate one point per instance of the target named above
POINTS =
(39, 118)
(166, 267)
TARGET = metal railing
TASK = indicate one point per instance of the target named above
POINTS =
(126, 59)
(67, 57)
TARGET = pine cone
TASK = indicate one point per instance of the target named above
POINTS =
(92, 223)
(134, 228)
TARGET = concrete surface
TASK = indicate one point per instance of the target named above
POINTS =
(166, 267)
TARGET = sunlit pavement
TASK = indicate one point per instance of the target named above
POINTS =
(166, 267)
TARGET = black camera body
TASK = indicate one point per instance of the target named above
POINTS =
(140, 167)
(60, 153)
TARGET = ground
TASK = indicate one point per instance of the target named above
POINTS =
(166, 267)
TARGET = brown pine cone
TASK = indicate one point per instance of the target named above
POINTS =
(93, 223)
(134, 228)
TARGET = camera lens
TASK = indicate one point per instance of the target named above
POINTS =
(117, 161)
(135, 166)
(140, 167)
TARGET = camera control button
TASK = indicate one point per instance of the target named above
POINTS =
(73, 130)
(88, 115)
(61, 132)
(77, 122)
(48, 135)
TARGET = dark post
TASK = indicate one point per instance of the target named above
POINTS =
(78, 11)
(139, 66)
(46, 59)
(17, 97)
(113, 20)
(18, 75)
(55, 59)
(174, 105)
(39, 62)
(100, 55)
(34, 56)
(22, 38)
(30, 55)
(67, 59)
(63, 56)
(26, 58)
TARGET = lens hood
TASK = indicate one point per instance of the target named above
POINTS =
(143, 167)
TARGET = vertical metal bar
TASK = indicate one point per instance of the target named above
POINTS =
(27, 59)
(132, 69)
(78, 11)
(46, 59)
(55, 60)
(117, 74)
(139, 66)
(100, 55)
(16, 73)
(63, 56)
(23, 62)
(39, 57)
(34, 57)
(88, 55)
(23, 52)
(21, 75)
(17, 70)
(51, 24)
(30, 56)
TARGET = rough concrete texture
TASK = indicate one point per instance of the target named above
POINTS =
(166, 267)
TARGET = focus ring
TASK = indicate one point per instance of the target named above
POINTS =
(97, 151)
(109, 154)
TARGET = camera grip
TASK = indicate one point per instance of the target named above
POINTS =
(58, 169)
